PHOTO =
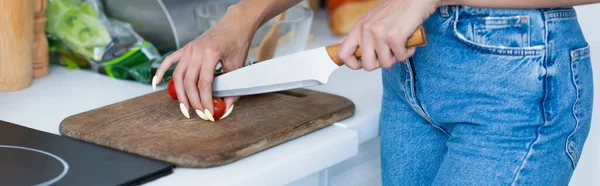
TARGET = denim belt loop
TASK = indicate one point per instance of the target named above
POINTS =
(444, 11)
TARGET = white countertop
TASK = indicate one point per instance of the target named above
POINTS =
(49, 100)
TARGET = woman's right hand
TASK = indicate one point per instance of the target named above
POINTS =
(226, 43)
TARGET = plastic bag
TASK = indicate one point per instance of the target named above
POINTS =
(81, 36)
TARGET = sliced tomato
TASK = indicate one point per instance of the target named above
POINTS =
(331, 5)
(219, 108)
(171, 89)
(218, 103)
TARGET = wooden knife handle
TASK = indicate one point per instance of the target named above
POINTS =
(418, 38)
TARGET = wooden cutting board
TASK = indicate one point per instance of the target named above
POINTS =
(153, 126)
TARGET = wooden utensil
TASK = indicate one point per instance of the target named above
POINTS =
(152, 126)
(40, 43)
(266, 49)
(16, 44)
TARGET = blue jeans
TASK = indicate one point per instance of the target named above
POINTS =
(497, 97)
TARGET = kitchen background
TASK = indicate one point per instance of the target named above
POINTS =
(170, 24)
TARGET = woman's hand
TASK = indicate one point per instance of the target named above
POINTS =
(382, 33)
(226, 43)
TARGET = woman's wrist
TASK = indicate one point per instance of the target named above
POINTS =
(258, 12)
(240, 16)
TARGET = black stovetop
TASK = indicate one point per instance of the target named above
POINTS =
(32, 157)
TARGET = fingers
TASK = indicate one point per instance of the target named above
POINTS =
(411, 51)
(193, 81)
(178, 77)
(346, 53)
(205, 82)
(367, 49)
(164, 66)
(379, 46)
(190, 81)
(378, 49)
(349, 45)
(235, 62)
(384, 54)
(229, 101)
(398, 46)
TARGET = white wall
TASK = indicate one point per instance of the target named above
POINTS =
(588, 170)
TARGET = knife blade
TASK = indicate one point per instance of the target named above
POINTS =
(303, 69)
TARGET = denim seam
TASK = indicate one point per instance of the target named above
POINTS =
(575, 56)
(528, 35)
(500, 50)
(422, 107)
(544, 109)
(444, 11)
(560, 14)
(412, 90)
(529, 151)
(414, 101)
(580, 53)
(503, 20)
(574, 110)
(533, 143)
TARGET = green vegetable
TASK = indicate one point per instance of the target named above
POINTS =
(78, 26)
(63, 55)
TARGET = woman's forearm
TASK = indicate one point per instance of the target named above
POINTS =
(255, 13)
(518, 3)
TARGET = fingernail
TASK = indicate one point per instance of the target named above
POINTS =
(208, 115)
(184, 110)
(201, 115)
(228, 112)
(154, 83)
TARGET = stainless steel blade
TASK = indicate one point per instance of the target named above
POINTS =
(303, 69)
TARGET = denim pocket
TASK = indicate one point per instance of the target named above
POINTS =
(581, 70)
(506, 35)
(502, 31)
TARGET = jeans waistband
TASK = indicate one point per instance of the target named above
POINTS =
(549, 13)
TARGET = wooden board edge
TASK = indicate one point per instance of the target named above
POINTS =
(222, 158)
(64, 131)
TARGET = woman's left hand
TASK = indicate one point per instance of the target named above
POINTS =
(382, 33)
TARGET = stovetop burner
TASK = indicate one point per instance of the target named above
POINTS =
(48, 168)
(32, 157)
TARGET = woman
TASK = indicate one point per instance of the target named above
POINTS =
(501, 94)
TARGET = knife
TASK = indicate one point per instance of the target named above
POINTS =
(302, 69)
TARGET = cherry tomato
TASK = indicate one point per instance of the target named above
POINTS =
(172, 91)
(217, 102)
(331, 5)
(219, 108)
